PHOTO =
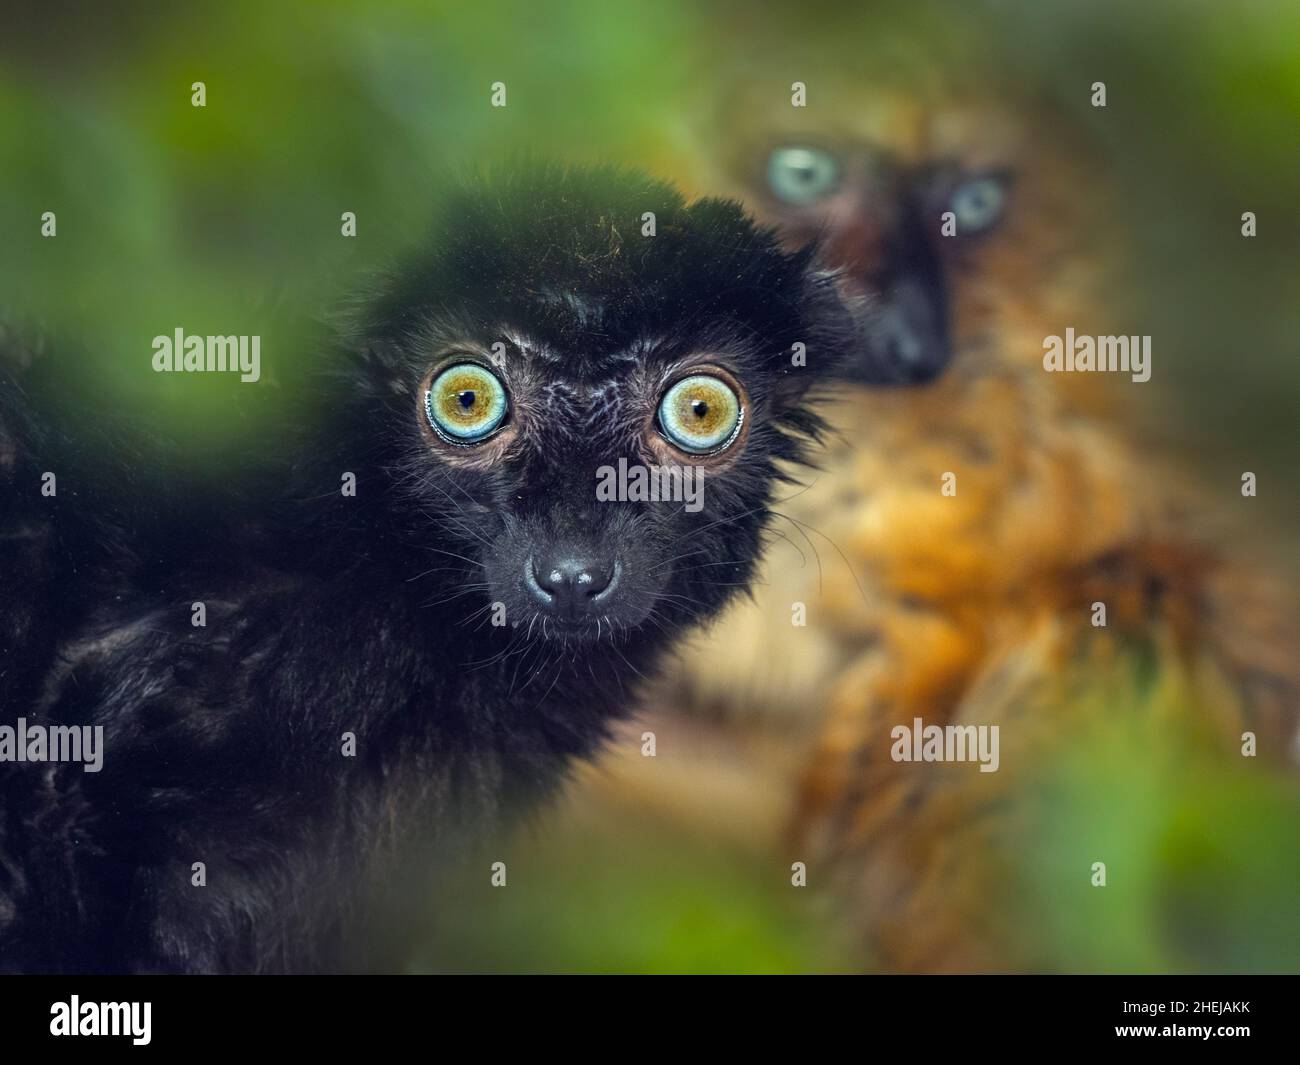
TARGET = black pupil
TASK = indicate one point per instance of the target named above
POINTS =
(699, 408)
(467, 398)
(979, 200)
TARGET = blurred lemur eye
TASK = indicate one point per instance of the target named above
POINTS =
(802, 176)
(978, 204)
(701, 414)
(466, 403)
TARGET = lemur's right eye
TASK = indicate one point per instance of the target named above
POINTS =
(802, 176)
(466, 403)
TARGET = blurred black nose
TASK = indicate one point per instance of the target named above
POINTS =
(570, 585)
(906, 340)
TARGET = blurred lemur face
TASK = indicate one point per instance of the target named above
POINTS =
(884, 223)
(911, 198)
(552, 340)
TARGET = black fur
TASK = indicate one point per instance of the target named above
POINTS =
(329, 614)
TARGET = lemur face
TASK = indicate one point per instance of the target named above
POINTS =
(578, 344)
(923, 200)
(899, 230)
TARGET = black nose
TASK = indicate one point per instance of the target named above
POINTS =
(571, 585)
(907, 340)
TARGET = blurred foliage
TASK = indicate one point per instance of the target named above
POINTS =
(624, 895)
(1202, 854)
(1202, 867)
(226, 219)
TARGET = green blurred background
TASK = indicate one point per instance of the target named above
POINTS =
(220, 217)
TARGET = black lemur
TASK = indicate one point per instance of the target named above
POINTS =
(439, 614)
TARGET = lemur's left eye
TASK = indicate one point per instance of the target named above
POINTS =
(802, 176)
(978, 204)
(701, 414)
(466, 403)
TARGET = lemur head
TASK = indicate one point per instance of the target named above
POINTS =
(569, 343)
(949, 209)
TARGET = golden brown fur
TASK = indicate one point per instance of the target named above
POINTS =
(976, 608)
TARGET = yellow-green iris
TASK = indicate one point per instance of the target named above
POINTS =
(700, 413)
(466, 403)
